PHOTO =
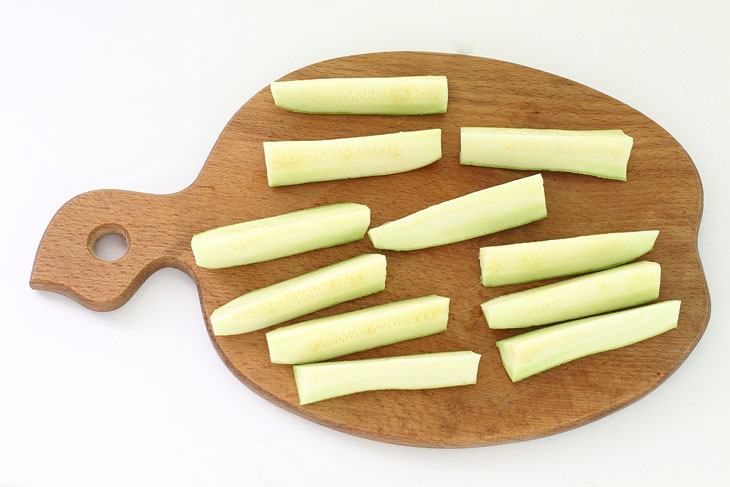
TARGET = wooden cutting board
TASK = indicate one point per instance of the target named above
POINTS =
(663, 192)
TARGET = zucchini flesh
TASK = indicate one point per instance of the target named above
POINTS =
(533, 352)
(601, 153)
(620, 287)
(409, 95)
(325, 287)
(295, 162)
(473, 215)
(334, 336)
(280, 236)
(533, 261)
(316, 382)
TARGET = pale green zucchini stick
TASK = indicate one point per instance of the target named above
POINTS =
(529, 353)
(301, 295)
(620, 287)
(602, 153)
(306, 161)
(316, 382)
(480, 213)
(335, 336)
(409, 95)
(280, 236)
(533, 261)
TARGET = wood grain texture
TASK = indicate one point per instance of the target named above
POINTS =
(663, 192)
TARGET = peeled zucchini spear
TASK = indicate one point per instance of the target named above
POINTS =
(325, 287)
(409, 95)
(480, 213)
(335, 336)
(602, 153)
(295, 162)
(529, 353)
(280, 236)
(316, 382)
(533, 261)
(620, 287)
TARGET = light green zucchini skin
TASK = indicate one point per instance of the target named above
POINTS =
(533, 261)
(281, 235)
(335, 336)
(301, 295)
(408, 95)
(620, 287)
(533, 352)
(306, 161)
(601, 153)
(316, 382)
(480, 213)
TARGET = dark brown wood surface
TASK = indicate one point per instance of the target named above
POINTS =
(663, 192)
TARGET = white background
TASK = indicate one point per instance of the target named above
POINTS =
(133, 96)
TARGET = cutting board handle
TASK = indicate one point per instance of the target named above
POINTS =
(65, 261)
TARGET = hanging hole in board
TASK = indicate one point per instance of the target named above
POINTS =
(108, 242)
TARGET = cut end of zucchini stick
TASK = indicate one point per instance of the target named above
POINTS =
(601, 153)
(533, 352)
(295, 162)
(335, 336)
(316, 382)
(533, 261)
(410, 95)
(480, 213)
(280, 236)
(319, 289)
(620, 287)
